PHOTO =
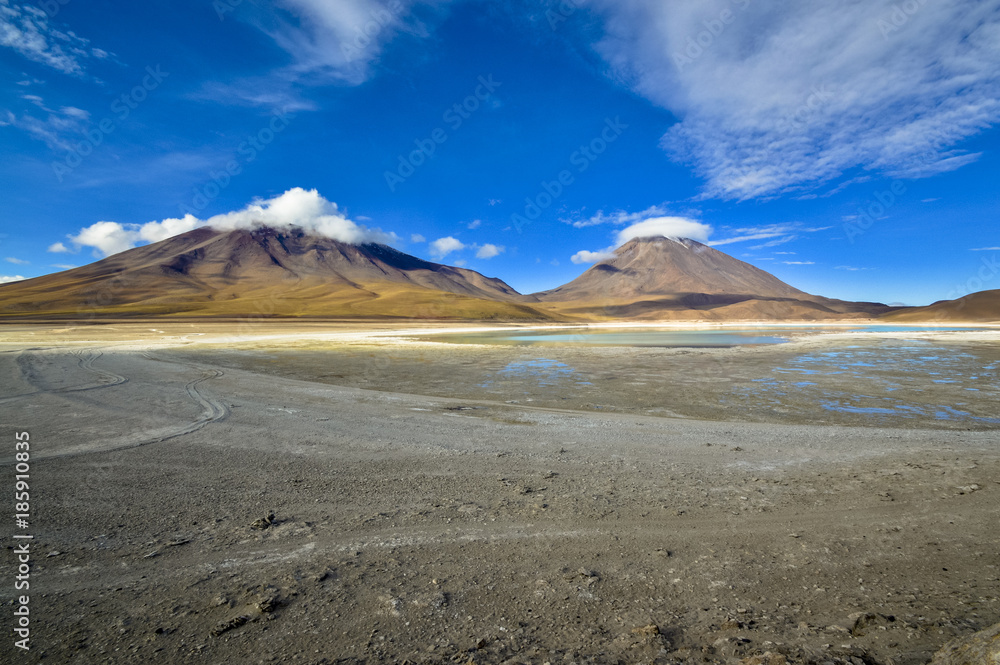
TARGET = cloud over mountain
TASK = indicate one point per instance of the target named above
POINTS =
(297, 207)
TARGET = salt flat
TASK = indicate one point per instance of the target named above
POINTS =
(307, 493)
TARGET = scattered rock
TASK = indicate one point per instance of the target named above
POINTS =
(865, 620)
(982, 648)
(651, 630)
(766, 658)
(229, 625)
(264, 522)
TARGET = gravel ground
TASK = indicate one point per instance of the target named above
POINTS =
(200, 503)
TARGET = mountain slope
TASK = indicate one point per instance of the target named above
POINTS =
(680, 278)
(979, 307)
(206, 272)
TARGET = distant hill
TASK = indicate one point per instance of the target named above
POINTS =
(680, 278)
(290, 273)
(265, 272)
(979, 307)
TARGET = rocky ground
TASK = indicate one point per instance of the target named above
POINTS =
(191, 508)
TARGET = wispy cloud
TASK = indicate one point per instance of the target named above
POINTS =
(327, 42)
(775, 234)
(16, 261)
(26, 29)
(4, 279)
(985, 249)
(56, 129)
(617, 217)
(799, 263)
(778, 98)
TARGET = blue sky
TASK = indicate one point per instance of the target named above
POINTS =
(850, 148)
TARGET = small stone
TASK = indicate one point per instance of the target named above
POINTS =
(652, 630)
(263, 522)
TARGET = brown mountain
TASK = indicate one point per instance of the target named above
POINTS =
(679, 278)
(265, 272)
(979, 307)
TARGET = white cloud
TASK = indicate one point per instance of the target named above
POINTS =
(799, 263)
(619, 217)
(672, 227)
(26, 29)
(57, 129)
(63, 266)
(297, 207)
(851, 268)
(780, 233)
(416, 237)
(107, 237)
(779, 97)
(488, 251)
(16, 261)
(985, 249)
(329, 42)
(59, 248)
(474, 224)
(585, 256)
(4, 279)
(444, 246)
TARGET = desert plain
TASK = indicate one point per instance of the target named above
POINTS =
(325, 493)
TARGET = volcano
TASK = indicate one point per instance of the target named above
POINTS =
(680, 278)
(265, 272)
(289, 273)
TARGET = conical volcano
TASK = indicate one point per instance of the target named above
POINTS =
(265, 272)
(680, 278)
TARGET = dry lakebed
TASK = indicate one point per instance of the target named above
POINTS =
(350, 493)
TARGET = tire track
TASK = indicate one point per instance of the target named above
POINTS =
(213, 410)
(85, 361)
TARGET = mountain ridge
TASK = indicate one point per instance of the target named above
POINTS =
(289, 273)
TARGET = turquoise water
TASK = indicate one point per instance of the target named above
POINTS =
(714, 338)
(897, 379)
